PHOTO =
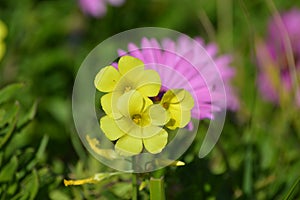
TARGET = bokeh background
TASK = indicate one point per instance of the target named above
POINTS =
(256, 157)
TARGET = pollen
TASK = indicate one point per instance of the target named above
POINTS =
(166, 105)
(137, 119)
(127, 89)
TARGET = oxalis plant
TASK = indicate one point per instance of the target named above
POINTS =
(138, 116)
(145, 108)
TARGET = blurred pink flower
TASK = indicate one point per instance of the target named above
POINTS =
(275, 79)
(97, 8)
(189, 59)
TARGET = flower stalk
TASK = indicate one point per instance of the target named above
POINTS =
(134, 186)
(157, 190)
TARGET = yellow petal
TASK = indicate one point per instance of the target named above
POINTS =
(178, 95)
(158, 115)
(179, 118)
(187, 103)
(136, 131)
(125, 124)
(185, 118)
(148, 102)
(129, 146)
(150, 131)
(109, 104)
(172, 124)
(149, 90)
(169, 97)
(156, 143)
(149, 84)
(127, 63)
(107, 79)
(106, 103)
(110, 128)
(131, 103)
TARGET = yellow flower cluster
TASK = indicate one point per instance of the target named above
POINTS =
(132, 119)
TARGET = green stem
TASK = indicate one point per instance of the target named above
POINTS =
(134, 186)
(157, 189)
(290, 194)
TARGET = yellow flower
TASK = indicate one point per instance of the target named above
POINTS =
(178, 102)
(137, 125)
(3, 33)
(130, 76)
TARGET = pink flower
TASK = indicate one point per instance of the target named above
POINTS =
(277, 72)
(186, 61)
(97, 8)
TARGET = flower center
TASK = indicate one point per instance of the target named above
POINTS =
(137, 118)
(127, 89)
(158, 98)
(166, 105)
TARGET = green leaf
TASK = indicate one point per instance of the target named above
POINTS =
(8, 171)
(290, 194)
(19, 140)
(12, 188)
(32, 184)
(2, 114)
(9, 112)
(9, 91)
(8, 132)
(1, 157)
(157, 190)
(27, 155)
(122, 190)
(57, 194)
(40, 153)
(28, 116)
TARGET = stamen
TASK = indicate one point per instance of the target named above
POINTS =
(166, 105)
(137, 118)
(127, 89)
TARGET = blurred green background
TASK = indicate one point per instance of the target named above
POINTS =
(257, 156)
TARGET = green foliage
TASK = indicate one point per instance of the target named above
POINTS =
(22, 167)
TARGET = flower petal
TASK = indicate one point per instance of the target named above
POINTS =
(149, 84)
(109, 104)
(187, 103)
(131, 103)
(179, 103)
(106, 79)
(110, 128)
(127, 63)
(156, 143)
(150, 131)
(136, 131)
(129, 146)
(125, 124)
(106, 103)
(174, 96)
(179, 118)
(158, 115)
